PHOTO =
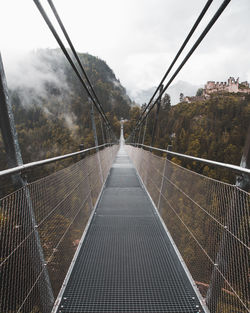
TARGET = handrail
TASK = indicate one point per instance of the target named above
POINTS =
(225, 165)
(23, 167)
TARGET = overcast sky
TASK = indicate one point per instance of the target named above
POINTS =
(137, 38)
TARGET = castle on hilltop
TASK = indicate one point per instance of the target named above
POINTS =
(231, 86)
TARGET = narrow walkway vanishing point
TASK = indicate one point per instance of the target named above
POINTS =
(126, 262)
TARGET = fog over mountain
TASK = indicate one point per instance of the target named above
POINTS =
(43, 78)
(143, 96)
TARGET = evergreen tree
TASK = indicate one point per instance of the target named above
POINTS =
(199, 92)
(181, 97)
(166, 102)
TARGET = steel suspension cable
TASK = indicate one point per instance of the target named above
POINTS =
(75, 54)
(65, 52)
(191, 51)
(197, 22)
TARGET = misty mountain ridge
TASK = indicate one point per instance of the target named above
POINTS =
(45, 79)
(143, 96)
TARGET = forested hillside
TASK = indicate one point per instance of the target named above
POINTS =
(52, 115)
(51, 108)
(214, 129)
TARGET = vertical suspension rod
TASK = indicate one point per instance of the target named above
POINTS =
(156, 117)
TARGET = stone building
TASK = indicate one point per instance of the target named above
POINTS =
(232, 86)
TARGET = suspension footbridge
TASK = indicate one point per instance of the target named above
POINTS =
(153, 242)
(122, 228)
(127, 262)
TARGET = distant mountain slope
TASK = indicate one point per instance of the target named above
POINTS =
(182, 87)
(46, 73)
(143, 96)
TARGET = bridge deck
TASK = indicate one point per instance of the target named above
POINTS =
(127, 262)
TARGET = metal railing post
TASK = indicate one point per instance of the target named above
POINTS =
(96, 140)
(139, 136)
(243, 181)
(145, 129)
(169, 156)
(162, 182)
(156, 117)
(133, 138)
(94, 126)
(81, 148)
(108, 136)
(103, 138)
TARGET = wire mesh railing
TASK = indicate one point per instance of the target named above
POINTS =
(40, 227)
(209, 222)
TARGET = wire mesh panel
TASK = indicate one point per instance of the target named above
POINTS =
(209, 222)
(41, 226)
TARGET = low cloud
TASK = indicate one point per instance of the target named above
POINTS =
(37, 79)
(33, 78)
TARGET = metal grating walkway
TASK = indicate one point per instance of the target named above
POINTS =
(127, 262)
